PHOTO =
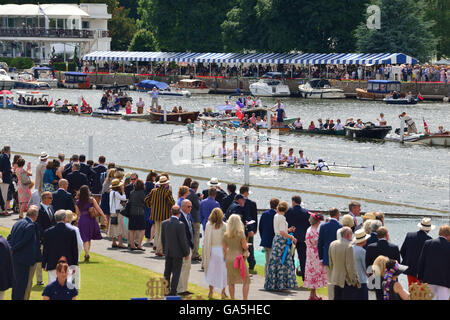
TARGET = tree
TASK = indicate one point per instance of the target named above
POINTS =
(403, 29)
(122, 29)
(439, 11)
(143, 40)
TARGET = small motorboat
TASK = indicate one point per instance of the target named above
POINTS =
(370, 131)
(390, 100)
(269, 88)
(76, 80)
(194, 86)
(106, 114)
(320, 89)
(175, 117)
(6, 83)
(33, 96)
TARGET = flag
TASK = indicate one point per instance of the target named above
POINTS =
(425, 125)
(239, 113)
(84, 101)
(43, 12)
(50, 104)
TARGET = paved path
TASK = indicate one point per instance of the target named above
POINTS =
(149, 261)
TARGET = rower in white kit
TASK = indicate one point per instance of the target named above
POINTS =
(290, 159)
(302, 161)
(321, 165)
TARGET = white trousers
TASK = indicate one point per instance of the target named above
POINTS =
(184, 276)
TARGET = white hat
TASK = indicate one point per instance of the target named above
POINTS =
(360, 236)
(426, 225)
(163, 180)
(43, 156)
(214, 182)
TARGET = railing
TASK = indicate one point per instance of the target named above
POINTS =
(52, 33)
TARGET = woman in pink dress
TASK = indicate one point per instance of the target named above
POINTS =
(23, 189)
(315, 273)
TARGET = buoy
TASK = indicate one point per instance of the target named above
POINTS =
(445, 99)
(94, 87)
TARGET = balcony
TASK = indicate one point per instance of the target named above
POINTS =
(52, 33)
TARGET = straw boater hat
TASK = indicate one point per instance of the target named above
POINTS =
(163, 180)
(214, 182)
(43, 156)
(369, 216)
(360, 236)
(116, 183)
(426, 225)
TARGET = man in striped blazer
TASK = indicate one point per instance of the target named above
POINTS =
(160, 200)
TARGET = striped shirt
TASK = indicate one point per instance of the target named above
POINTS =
(160, 200)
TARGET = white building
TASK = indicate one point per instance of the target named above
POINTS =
(33, 30)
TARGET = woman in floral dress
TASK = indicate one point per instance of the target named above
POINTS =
(315, 273)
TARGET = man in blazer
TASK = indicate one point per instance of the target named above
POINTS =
(68, 167)
(87, 170)
(228, 200)
(40, 169)
(328, 234)
(195, 215)
(76, 179)
(175, 246)
(99, 169)
(185, 217)
(6, 179)
(381, 248)
(434, 264)
(59, 241)
(343, 273)
(63, 199)
(412, 247)
(6, 267)
(298, 217)
(354, 209)
(251, 212)
(24, 243)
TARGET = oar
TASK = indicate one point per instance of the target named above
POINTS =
(346, 166)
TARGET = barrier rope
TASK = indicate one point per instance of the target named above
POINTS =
(380, 202)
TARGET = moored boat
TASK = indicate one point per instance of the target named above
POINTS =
(6, 83)
(76, 80)
(370, 131)
(136, 117)
(194, 86)
(319, 132)
(106, 114)
(182, 117)
(378, 89)
(269, 87)
(399, 101)
(320, 89)
(35, 105)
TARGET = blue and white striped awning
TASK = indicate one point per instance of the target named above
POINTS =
(257, 58)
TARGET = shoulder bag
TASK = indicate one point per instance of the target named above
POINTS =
(25, 178)
(114, 220)
(93, 213)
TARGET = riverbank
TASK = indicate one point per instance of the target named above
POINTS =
(430, 90)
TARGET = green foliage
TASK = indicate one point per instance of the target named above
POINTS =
(122, 29)
(143, 40)
(439, 11)
(403, 29)
(18, 63)
(61, 66)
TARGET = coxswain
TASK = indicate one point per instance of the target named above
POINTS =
(302, 161)
(290, 159)
(321, 165)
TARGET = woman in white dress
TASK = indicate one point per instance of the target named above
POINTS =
(212, 253)
(117, 231)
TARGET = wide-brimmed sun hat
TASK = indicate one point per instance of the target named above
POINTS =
(163, 180)
(116, 183)
(426, 225)
(214, 182)
(360, 236)
(44, 156)
(70, 216)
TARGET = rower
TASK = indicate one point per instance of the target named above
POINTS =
(235, 152)
(224, 151)
(290, 159)
(302, 161)
(256, 155)
(321, 165)
(190, 127)
(280, 158)
(269, 156)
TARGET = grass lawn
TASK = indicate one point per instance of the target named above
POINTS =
(106, 279)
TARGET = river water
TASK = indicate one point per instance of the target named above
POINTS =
(406, 174)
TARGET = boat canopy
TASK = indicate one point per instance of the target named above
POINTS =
(383, 86)
(319, 83)
(150, 84)
(273, 75)
(37, 69)
(274, 58)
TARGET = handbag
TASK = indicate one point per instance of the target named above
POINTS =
(126, 210)
(92, 212)
(25, 178)
(114, 220)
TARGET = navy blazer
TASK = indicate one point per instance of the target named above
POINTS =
(327, 234)
(266, 231)
(188, 233)
(411, 249)
(227, 201)
(173, 238)
(89, 172)
(299, 218)
(76, 181)
(6, 266)
(434, 262)
(24, 242)
(219, 196)
(63, 200)
(381, 248)
(5, 168)
(43, 222)
(251, 211)
(96, 184)
(59, 241)
(373, 239)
